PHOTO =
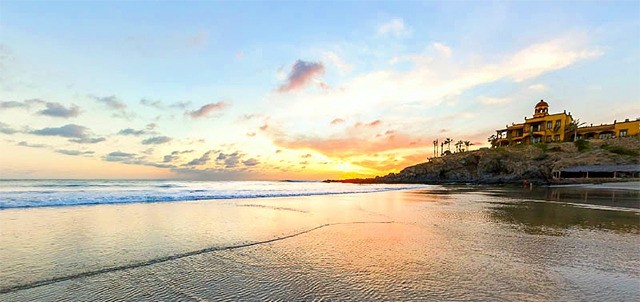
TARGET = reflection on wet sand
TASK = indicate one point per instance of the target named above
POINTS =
(551, 210)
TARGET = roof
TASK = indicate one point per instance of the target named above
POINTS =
(542, 103)
(603, 168)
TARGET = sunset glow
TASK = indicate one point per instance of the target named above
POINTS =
(294, 90)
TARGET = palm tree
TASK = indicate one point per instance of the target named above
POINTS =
(573, 126)
(448, 141)
(459, 146)
(467, 144)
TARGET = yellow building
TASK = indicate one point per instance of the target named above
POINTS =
(542, 127)
(604, 131)
(545, 127)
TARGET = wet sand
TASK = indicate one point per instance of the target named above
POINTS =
(447, 243)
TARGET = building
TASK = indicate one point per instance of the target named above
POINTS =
(542, 127)
(557, 127)
(604, 131)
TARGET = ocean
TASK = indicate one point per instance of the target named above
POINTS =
(102, 240)
(51, 193)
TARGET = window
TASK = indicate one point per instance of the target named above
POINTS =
(548, 138)
(623, 133)
(556, 138)
(605, 135)
(549, 124)
(558, 124)
(535, 139)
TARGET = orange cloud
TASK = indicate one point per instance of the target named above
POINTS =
(349, 146)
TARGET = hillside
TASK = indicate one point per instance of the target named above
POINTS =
(533, 163)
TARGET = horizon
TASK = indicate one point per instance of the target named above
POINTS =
(226, 91)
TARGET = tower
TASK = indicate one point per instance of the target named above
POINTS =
(542, 109)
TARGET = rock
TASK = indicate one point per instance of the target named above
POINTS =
(512, 164)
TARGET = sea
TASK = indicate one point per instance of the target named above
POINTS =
(166, 240)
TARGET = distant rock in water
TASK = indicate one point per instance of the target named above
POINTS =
(518, 164)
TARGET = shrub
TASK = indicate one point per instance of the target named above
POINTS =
(541, 156)
(555, 149)
(582, 145)
(619, 150)
(542, 146)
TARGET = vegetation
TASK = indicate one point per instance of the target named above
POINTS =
(619, 150)
(582, 145)
(542, 146)
(573, 126)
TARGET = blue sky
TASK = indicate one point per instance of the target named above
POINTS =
(368, 84)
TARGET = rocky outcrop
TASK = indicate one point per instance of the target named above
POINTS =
(530, 163)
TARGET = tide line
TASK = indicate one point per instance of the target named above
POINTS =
(10, 289)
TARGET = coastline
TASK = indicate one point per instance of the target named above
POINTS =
(524, 164)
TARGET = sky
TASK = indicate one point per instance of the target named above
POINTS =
(246, 90)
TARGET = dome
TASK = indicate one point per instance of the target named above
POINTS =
(542, 103)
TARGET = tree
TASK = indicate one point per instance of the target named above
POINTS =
(448, 141)
(573, 126)
(459, 145)
(467, 144)
(492, 139)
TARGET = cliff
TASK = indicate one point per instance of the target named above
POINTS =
(533, 163)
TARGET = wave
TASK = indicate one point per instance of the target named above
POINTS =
(153, 192)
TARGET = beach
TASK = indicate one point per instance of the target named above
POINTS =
(426, 243)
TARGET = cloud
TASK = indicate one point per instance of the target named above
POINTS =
(494, 101)
(301, 73)
(76, 133)
(180, 105)
(337, 121)
(130, 131)
(88, 140)
(552, 55)
(154, 104)
(351, 145)
(58, 110)
(394, 27)
(208, 108)
(115, 104)
(205, 158)
(156, 140)
(119, 156)
(25, 144)
(12, 104)
(443, 49)
(174, 156)
(250, 162)
(70, 130)
(74, 152)
(6, 129)
(111, 101)
(375, 123)
(428, 84)
(538, 87)
(337, 61)
(229, 160)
